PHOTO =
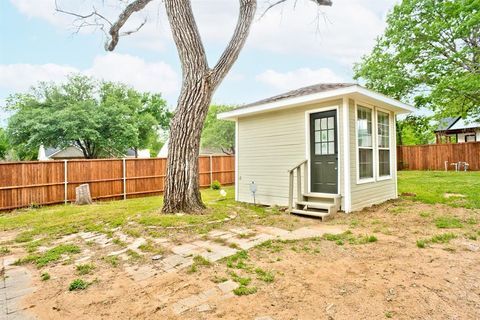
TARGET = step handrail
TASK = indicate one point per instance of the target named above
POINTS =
(291, 174)
(298, 165)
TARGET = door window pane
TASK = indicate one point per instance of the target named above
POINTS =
(330, 123)
(324, 124)
(324, 136)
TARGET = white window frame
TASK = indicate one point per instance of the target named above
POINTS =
(374, 139)
(390, 128)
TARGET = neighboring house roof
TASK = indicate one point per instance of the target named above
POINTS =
(447, 123)
(465, 124)
(312, 94)
(457, 123)
(163, 153)
(73, 152)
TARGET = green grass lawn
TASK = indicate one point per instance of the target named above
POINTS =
(431, 187)
(54, 221)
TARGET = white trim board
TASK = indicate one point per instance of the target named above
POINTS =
(347, 189)
(356, 91)
(236, 160)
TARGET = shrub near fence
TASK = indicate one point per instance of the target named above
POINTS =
(47, 182)
(433, 156)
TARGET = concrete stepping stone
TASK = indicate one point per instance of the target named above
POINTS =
(16, 283)
(141, 273)
(199, 301)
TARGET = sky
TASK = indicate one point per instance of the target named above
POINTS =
(293, 45)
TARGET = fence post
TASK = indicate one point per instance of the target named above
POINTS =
(65, 172)
(211, 170)
(124, 179)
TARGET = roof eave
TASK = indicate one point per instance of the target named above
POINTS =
(400, 107)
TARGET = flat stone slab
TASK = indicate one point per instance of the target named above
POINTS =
(16, 283)
(227, 286)
(186, 249)
(141, 273)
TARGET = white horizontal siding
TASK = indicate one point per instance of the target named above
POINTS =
(269, 145)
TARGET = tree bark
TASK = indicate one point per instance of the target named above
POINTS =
(182, 190)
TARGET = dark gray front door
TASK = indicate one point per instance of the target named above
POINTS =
(324, 152)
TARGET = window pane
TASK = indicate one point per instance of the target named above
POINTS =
(317, 148)
(331, 148)
(317, 136)
(330, 123)
(365, 162)
(324, 123)
(331, 135)
(384, 162)
(324, 135)
(364, 127)
(324, 148)
(317, 124)
(383, 130)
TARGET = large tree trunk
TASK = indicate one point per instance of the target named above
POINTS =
(182, 190)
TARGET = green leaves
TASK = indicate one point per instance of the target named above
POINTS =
(218, 134)
(4, 144)
(429, 54)
(103, 119)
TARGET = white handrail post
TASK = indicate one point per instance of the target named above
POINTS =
(124, 165)
(65, 173)
(290, 191)
(305, 177)
(299, 184)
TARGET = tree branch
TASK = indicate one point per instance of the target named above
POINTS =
(230, 55)
(101, 21)
(114, 32)
(278, 2)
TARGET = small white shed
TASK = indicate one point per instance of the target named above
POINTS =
(318, 149)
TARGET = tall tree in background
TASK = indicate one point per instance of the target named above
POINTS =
(199, 82)
(4, 144)
(101, 119)
(218, 134)
(430, 52)
(415, 130)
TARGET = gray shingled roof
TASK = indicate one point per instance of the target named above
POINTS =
(317, 88)
(446, 123)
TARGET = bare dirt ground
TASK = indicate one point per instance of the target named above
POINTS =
(313, 279)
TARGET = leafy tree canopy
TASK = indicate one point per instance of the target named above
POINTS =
(4, 144)
(218, 133)
(429, 53)
(103, 119)
(415, 130)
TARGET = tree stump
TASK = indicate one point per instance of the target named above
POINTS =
(82, 193)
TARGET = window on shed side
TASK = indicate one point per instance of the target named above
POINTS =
(383, 131)
(365, 142)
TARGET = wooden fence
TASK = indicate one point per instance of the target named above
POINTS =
(433, 156)
(47, 182)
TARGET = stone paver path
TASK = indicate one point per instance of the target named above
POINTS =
(16, 280)
(15, 284)
(245, 239)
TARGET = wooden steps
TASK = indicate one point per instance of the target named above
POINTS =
(317, 205)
